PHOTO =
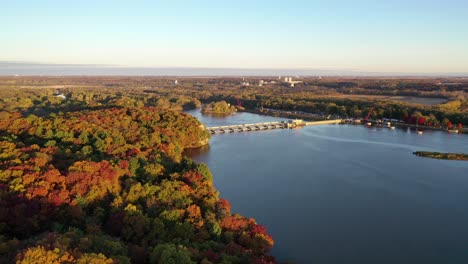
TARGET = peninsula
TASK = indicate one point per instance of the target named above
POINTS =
(221, 107)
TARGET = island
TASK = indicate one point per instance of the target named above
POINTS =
(221, 107)
(439, 155)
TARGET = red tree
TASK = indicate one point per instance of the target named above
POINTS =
(421, 121)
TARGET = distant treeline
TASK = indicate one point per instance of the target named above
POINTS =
(353, 97)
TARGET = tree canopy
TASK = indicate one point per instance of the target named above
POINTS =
(111, 185)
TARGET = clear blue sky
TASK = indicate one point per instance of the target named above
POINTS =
(379, 36)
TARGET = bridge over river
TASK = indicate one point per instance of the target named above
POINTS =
(267, 126)
(247, 127)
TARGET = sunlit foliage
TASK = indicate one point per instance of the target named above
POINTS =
(110, 185)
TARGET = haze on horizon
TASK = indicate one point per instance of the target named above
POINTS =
(362, 36)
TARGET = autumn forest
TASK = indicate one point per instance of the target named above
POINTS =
(103, 180)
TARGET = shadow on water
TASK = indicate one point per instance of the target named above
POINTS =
(197, 152)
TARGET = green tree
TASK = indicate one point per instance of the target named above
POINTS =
(170, 254)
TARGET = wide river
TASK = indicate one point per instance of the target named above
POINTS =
(343, 193)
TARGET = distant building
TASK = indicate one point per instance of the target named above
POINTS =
(61, 96)
(260, 83)
(176, 82)
(290, 81)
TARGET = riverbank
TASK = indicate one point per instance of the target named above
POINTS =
(319, 117)
(287, 114)
(430, 128)
(445, 156)
(314, 119)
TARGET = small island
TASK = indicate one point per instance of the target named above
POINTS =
(438, 155)
(221, 107)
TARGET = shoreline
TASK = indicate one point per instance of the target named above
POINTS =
(442, 155)
(316, 117)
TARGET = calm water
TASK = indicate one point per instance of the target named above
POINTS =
(345, 194)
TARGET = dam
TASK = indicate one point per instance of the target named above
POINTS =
(267, 126)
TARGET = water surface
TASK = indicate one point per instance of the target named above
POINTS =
(343, 193)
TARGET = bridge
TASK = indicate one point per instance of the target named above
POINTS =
(247, 127)
(268, 126)
(324, 122)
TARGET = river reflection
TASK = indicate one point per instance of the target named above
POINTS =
(345, 194)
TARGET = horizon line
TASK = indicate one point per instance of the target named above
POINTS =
(24, 68)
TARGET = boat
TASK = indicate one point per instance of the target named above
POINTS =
(420, 132)
(392, 127)
(452, 130)
(369, 123)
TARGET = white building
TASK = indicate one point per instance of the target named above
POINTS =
(290, 81)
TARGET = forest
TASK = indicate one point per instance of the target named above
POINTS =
(99, 176)
(439, 101)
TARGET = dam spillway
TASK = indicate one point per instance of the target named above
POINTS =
(247, 127)
(266, 126)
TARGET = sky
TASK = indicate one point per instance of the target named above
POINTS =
(408, 36)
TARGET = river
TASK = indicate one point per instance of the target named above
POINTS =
(344, 193)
